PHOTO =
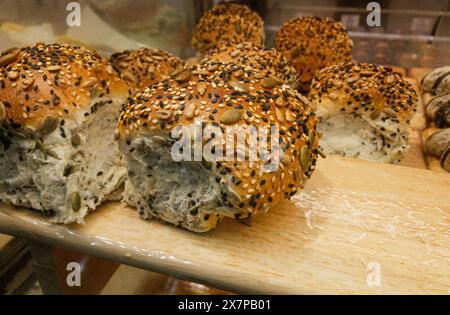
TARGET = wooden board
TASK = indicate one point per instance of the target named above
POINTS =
(351, 217)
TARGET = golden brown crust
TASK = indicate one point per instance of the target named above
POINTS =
(267, 61)
(43, 83)
(145, 66)
(227, 95)
(312, 43)
(372, 91)
(228, 23)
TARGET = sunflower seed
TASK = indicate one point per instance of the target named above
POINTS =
(231, 116)
(190, 111)
(239, 87)
(201, 88)
(352, 80)
(76, 201)
(54, 68)
(332, 96)
(49, 124)
(305, 158)
(239, 73)
(120, 182)
(296, 52)
(309, 33)
(212, 68)
(260, 75)
(390, 112)
(183, 76)
(234, 53)
(128, 76)
(53, 154)
(9, 56)
(200, 72)
(110, 69)
(375, 114)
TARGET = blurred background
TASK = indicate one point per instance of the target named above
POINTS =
(412, 34)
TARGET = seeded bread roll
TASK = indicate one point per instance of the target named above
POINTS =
(437, 82)
(312, 43)
(145, 66)
(197, 194)
(268, 62)
(364, 111)
(227, 23)
(58, 110)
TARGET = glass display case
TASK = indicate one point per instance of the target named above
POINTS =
(409, 34)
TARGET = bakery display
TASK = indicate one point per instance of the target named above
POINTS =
(59, 106)
(364, 111)
(197, 194)
(269, 62)
(145, 66)
(227, 23)
(437, 82)
(312, 43)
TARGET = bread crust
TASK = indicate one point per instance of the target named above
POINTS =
(312, 43)
(145, 66)
(227, 23)
(212, 91)
(42, 84)
(268, 61)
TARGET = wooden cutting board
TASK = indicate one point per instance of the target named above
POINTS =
(358, 227)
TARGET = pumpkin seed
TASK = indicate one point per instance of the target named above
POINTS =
(238, 28)
(27, 83)
(76, 201)
(286, 159)
(2, 111)
(390, 112)
(231, 116)
(201, 88)
(13, 75)
(239, 87)
(289, 116)
(90, 82)
(269, 82)
(190, 111)
(305, 158)
(41, 147)
(279, 102)
(279, 115)
(53, 154)
(9, 56)
(70, 169)
(120, 182)
(183, 76)
(49, 124)
(75, 140)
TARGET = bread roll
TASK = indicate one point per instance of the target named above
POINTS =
(438, 110)
(267, 61)
(364, 111)
(312, 43)
(144, 67)
(437, 82)
(58, 110)
(227, 23)
(197, 194)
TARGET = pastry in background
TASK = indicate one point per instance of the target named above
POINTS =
(196, 194)
(437, 81)
(437, 144)
(59, 106)
(227, 23)
(438, 110)
(364, 111)
(312, 43)
(144, 67)
(269, 62)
